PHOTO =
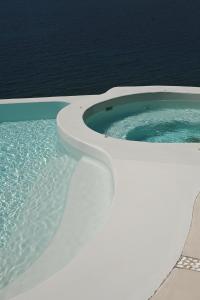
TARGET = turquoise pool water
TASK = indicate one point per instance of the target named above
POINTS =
(35, 173)
(149, 121)
(46, 214)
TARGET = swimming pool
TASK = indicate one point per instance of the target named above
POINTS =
(156, 121)
(36, 174)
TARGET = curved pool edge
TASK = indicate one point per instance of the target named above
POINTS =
(167, 173)
(124, 258)
(81, 136)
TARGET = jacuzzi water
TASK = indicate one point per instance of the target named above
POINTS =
(164, 125)
(155, 121)
(35, 172)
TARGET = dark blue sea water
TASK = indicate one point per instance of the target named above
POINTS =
(62, 47)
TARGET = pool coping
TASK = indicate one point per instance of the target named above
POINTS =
(138, 245)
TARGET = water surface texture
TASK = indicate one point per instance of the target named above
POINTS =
(153, 121)
(161, 126)
(35, 172)
(50, 47)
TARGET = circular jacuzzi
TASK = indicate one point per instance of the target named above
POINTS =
(148, 118)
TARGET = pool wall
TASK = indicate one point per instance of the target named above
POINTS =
(30, 111)
(155, 186)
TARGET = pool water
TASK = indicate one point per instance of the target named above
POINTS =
(35, 173)
(155, 121)
(164, 126)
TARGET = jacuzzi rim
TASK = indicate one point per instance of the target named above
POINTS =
(109, 148)
(112, 102)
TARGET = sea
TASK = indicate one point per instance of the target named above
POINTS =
(76, 47)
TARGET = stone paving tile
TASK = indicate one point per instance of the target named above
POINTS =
(184, 281)
(192, 245)
(189, 263)
(180, 285)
